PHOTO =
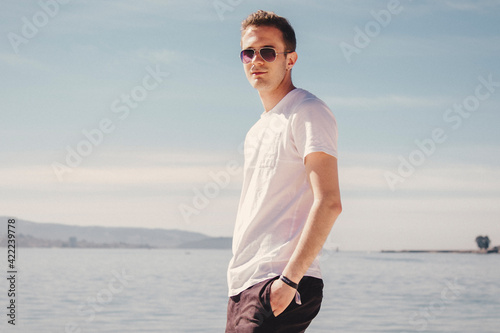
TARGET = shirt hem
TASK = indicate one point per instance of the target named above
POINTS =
(249, 284)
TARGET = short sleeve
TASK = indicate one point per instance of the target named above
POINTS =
(314, 129)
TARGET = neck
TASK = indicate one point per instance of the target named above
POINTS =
(271, 98)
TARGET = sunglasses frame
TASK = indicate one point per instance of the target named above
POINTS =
(255, 51)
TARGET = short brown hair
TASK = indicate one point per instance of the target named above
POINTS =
(270, 19)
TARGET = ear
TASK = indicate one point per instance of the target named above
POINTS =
(291, 60)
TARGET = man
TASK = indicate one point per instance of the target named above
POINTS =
(290, 197)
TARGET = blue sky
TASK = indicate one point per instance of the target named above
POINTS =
(158, 88)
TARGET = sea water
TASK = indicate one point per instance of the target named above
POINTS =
(140, 290)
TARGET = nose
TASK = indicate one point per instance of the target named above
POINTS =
(257, 59)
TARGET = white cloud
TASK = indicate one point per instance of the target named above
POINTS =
(15, 60)
(357, 172)
(386, 102)
(477, 179)
(360, 172)
(418, 222)
(473, 178)
(359, 178)
(162, 56)
(118, 15)
(124, 169)
(467, 5)
(443, 45)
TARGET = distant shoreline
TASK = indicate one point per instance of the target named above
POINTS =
(493, 250)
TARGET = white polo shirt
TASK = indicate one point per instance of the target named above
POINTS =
(276, 196)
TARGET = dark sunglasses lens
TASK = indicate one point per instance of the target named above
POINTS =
(247, 56)
(268, 54)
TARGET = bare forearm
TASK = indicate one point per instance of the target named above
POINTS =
(316, 230)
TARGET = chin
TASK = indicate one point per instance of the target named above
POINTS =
(260, 85)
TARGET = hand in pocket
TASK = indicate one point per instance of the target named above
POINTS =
(281, 296)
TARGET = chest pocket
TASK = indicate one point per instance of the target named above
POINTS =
(269, 149)
(262, 146)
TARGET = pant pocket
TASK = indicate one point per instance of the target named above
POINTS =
(265, 297)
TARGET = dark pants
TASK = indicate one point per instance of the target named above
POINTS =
(250, 310)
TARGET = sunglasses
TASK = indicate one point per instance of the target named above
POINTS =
(267, 53)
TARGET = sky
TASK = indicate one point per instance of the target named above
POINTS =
(132, 114)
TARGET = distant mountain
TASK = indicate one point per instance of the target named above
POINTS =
(31, 234)
(30, 241)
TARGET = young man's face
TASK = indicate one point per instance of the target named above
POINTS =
(262, 75)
